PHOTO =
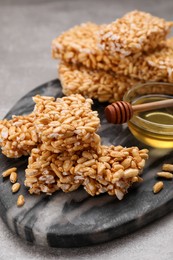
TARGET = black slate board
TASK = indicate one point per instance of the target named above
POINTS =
(76, 219)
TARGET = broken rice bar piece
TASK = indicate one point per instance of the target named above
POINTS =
(117, 168)
(96, 84)
(48, 172)
(67, 123)
(113, 170)
(133, 33)
(18, 136)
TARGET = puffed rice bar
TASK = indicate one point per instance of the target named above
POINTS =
(156, 66)
(18, 136)
(113, 170)
(160, 64)
(117, 168)
(67, 123)
(73, 47)
(96, 84)
(79, 45)
(133, 33)
(48, 172)
(136, 32)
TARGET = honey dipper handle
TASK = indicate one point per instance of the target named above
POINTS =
(153, 105)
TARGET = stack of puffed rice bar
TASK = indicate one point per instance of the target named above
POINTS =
(65, 151)
(104, 61)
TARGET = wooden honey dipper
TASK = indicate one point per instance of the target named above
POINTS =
(121, 111)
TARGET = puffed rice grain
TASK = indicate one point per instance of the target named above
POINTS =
(15, 187)
(158, 187)
(166, 175)
(167, 167)
(8, 172)
(20, 201)
(13, 177)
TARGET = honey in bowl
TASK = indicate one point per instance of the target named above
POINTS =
(153, 127)
(159, 116)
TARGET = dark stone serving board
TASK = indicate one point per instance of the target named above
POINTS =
(77, 219)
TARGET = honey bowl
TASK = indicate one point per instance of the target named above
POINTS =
(153, 127)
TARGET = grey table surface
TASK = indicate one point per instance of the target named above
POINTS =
(26, 31)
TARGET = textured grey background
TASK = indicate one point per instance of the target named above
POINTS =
(26, 31)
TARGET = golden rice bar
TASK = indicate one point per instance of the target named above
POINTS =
(96, 84)
(48, 172)
(133, 33)
(18, 136)
(157, 66)
(117, 168)
(66, 124)
(169, 42)
(70, 48)
(113, 170)
(79, 45)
